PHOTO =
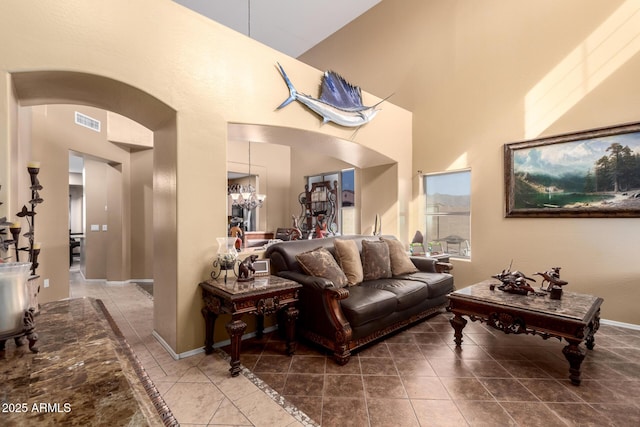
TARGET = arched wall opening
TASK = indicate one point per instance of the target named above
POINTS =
(61, 87)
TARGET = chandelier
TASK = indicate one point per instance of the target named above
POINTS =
(245, 196)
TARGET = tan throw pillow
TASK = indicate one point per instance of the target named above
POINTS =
(320, 263)
(349, 260)
(400, 261)
(375, 260)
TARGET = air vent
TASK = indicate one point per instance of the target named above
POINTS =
(88, 122)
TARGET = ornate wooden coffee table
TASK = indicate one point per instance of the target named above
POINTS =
(264, 295)
(575, 317)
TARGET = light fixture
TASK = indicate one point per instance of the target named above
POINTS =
(245, 196)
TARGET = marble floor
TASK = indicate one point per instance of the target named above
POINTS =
(198, 390)
(414, 378)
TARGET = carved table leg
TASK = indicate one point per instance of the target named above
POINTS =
(235, 328)
(593, 328)
(291, 314)
(575, 356)
(209, 323)
(458, 322)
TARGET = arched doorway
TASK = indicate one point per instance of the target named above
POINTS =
(61, 87)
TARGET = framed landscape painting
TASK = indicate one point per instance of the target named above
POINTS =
(594, 173)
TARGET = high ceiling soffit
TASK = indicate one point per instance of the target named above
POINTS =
(289, 26)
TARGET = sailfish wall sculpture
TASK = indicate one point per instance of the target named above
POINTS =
(340, 102)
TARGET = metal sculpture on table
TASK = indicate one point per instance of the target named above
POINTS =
(555, 284)
(340, 102)
(246, 269)
(515, 282)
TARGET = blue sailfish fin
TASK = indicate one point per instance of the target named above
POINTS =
(336, 91)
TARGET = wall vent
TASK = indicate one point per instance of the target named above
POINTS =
(88, 122)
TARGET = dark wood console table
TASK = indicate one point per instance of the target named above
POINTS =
(575, 317)
(264, 295)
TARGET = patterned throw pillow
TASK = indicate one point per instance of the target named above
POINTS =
(349, 260)
(320, 263)
(375, 260)
(400, 261)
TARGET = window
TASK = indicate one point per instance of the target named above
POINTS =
(448, 213)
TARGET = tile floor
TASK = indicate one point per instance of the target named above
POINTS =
(198, 389)
(414, 378)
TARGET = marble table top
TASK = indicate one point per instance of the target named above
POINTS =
(84, 374)
(572, 305)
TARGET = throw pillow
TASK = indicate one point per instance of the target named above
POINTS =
(349, 260)
(375, 260)
(320, 263)
(400, 261)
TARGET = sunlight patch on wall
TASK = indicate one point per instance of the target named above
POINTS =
(604, 51)
(462, 162)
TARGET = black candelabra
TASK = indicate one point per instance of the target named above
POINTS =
(33, 249)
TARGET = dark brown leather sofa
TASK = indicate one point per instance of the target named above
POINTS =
(343, 319)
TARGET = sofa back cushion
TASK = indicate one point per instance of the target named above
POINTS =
(320, 263)
(400, 261)
(348, 257)
(375, 260)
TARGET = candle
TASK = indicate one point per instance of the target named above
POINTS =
(36, 245)
(16, 225)
(34, 165)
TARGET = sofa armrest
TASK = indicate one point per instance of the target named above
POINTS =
(431, 265)
(444, 267)
(315, 283)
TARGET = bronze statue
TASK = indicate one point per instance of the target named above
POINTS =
(552, 277)
(246, 270)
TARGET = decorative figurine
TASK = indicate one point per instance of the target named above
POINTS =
(555, 284)
(321, 227)
(246, 270)
(515, 282)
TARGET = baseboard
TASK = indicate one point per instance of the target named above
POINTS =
(620, 324)
(178, 356)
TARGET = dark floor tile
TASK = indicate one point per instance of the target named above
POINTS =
(436, 351)
(343, 386)
(391, 413)
(550, 390)
(507, 390)
(425, 388)
(523, 369)
(487, 369)
(376, 350)
(579, 414)
(311, 406)
(478, 413)
(275, 381)
(466, 389)
(307, 364)
(428, 338)
(378, 366)
(592, 391)
(304, 385)
(404, 350)
(383, 387)
(351, 368)
(344, 412)
(272, 363)
(451, 367)
(437, 413)
(532, 414)
(415, 367)
(619, 414)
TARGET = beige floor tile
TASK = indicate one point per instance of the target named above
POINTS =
(438, 413)
(193, 402)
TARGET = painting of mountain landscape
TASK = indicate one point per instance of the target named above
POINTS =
(594, 173)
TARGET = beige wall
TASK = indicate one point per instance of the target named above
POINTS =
(469, 71)
(185, 78)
